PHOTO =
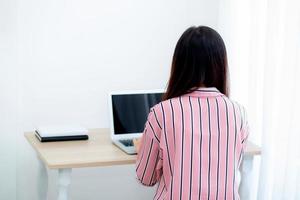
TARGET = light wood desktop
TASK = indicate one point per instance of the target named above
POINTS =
(96, 152)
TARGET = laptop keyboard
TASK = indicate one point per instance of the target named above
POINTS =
(127, 143)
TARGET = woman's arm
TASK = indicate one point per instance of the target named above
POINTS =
(137, 144)
(149, 159)
(245, 128)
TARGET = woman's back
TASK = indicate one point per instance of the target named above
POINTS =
(193, 146)
(193, 141)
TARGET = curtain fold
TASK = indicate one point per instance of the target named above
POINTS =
(263, 42)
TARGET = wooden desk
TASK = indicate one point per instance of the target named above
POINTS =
(96, 152)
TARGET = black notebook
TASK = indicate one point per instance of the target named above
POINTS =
(61, 138)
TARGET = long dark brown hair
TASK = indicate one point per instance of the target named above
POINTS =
(199, 60)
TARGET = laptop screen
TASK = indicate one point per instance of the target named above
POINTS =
(130, 111)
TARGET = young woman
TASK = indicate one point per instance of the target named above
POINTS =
(194, 140)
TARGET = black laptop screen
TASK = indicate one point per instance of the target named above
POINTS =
(130, 111)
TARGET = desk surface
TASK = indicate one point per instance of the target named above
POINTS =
(97, 151)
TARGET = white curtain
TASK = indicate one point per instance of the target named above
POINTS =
(263, 43)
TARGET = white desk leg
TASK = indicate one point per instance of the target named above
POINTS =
(42, 182)
(64, 180)
(246, 175)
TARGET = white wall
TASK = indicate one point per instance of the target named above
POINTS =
(203, 12)
(70, 54)
(8, 99)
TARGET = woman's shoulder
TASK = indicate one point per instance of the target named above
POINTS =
(164, 105)
(234, 102)
(158, 108)
(237, 106)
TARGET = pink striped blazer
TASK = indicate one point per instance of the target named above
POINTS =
(192, 147)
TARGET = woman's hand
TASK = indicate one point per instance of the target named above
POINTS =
(137, 143)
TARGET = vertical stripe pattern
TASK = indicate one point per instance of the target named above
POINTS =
(192, 147)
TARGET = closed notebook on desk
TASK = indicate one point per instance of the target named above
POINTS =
(61, 133)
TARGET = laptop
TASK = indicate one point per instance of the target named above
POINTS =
(128, 114)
